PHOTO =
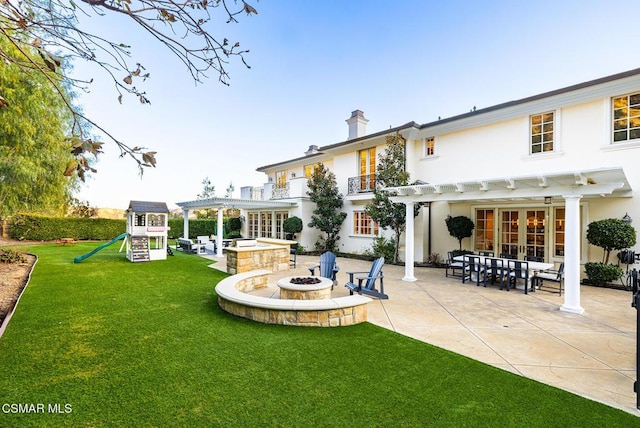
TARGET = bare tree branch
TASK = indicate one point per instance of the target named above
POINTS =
(51, 29)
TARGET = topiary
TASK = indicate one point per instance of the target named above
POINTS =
(292, 225)
(459, 227)
(611, 234)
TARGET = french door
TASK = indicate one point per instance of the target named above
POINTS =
(522, 232)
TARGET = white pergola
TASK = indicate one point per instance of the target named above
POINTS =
(222, 203)
(570, 186)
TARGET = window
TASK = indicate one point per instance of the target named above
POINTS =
(254, 224)
(265, 225)
(140, 220)
(310, 169)
(364, 224)
(281, 179)
(484, 230)
(156, 219)
(559, 231)
(542, 134)
(281, 216)
(367, 159)
(626, 118)
(429, 147)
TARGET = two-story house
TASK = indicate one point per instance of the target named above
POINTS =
(530, 173)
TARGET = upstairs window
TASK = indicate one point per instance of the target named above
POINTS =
(281, 179)
(429, 147)
(542, 135)
(626, 118)
(310, 169)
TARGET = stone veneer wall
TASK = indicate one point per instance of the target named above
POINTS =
(314, 318)
(274, 259)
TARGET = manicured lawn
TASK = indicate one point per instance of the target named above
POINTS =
(146, 344)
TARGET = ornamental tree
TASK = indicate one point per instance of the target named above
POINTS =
(323, 190)
(390, 172)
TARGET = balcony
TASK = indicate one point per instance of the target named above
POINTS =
(280, 191)
(363, 184)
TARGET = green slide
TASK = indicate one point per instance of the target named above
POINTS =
(95, 250)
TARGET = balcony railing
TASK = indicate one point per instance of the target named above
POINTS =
(280, 191)
(363, 184)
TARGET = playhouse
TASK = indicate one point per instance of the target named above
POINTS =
(147, 226)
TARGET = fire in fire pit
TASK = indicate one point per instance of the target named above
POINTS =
(308, 280)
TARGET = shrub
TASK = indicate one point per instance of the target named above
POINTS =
(600, 273)
(197, 227)
(435, 259)
(233, 225)
(12, 256)
(382, 247)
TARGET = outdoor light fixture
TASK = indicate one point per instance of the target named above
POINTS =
(627, 219)
(547, 200)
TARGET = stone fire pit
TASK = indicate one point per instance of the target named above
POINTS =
(321, 290)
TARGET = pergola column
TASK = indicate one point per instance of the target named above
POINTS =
(219, 234)
(185, 229)
(572, 255)
(409, 243)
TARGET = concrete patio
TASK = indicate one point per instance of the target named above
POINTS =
(592, 355)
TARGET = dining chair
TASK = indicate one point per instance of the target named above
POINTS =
(494, 270)
(473, 269)
(518, 270)
(486, 253)
(549, 275)
(507, 256)
(454, 266)
(534, 259)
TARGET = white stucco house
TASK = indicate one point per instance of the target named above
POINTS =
(531, 174)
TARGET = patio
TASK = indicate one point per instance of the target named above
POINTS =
(592, 355)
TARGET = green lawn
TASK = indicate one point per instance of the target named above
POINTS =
(146, 344)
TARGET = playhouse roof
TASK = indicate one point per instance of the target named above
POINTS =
(148, 207)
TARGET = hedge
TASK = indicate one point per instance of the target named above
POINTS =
(41, 228)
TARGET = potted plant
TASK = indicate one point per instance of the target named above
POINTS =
(610, 234)
(291, 226)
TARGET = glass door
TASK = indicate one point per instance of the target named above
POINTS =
(510, 233)
(523, 233)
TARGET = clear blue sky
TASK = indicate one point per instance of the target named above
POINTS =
(315, 62)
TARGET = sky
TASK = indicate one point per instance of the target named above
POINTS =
(314, 62)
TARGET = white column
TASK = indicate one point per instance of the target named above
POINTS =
(572, 255)
(219, 234)
(185, 231)
(409, 243)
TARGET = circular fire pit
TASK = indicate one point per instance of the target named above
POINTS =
(305, 289)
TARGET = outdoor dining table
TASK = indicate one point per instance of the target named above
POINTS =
(533, 266)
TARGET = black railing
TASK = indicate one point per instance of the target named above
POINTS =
(636, 304)
(363, 184)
